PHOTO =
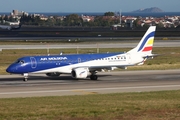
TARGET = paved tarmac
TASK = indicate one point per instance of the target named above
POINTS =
(172, 43)
(108, 82)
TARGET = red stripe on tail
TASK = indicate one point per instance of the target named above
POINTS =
(147, 49)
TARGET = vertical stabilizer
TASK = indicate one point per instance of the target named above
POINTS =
(146, 43)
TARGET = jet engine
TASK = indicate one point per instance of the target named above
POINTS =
(80, 73)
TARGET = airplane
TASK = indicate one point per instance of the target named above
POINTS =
(81, 66)
(10, 27)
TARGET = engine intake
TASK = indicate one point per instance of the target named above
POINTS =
(80, 73)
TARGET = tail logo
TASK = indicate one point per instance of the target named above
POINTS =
(147, 43)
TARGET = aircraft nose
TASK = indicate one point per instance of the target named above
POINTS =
(10, 69)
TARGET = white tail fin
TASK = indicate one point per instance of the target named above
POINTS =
(146, 43)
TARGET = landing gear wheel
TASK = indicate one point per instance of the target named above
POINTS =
(93, 77)
(25, 79)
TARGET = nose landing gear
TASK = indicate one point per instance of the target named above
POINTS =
(25, 77)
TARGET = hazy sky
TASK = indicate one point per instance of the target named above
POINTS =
(87, 5)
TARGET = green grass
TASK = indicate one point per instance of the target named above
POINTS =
(164, 105)
(168, 59)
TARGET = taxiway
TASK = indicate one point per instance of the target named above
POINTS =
(108, 82)
(129, 44)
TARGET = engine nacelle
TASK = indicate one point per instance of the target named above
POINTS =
(80, 73)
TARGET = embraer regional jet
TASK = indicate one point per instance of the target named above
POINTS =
(80, 66)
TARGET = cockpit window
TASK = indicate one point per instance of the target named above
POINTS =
(20, 61)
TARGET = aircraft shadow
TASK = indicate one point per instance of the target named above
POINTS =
(46, 78)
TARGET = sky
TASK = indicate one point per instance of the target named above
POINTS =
(87, 5)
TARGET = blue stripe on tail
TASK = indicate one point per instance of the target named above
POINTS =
(145, 40)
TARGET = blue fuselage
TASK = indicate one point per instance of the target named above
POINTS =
(30, 64)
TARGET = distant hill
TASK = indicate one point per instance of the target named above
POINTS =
(152, 9)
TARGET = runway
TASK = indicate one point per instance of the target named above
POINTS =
(129, 44)
(108, 82)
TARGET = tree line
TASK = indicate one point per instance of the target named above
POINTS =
(69, 20)
(108, 19)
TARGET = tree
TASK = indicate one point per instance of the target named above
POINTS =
(6, 18)
(73, 20)
(146, 26)
(160, 25)
(135, 23)
(109, 14)
(25, 19)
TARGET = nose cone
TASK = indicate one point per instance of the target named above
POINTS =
(10, 69)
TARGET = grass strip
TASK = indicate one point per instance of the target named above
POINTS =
(164, 105)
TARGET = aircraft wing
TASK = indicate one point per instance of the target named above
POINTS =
(102, 68)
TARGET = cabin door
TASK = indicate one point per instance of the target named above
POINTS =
(128, 58)
(33, 62)
(79, 60)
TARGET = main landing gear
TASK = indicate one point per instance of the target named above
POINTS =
(93, 76)
(53, 74)
(25, 77)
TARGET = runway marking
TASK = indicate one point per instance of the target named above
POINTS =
(93, 89)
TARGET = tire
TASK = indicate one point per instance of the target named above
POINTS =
(25, 79)
(93, 77)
